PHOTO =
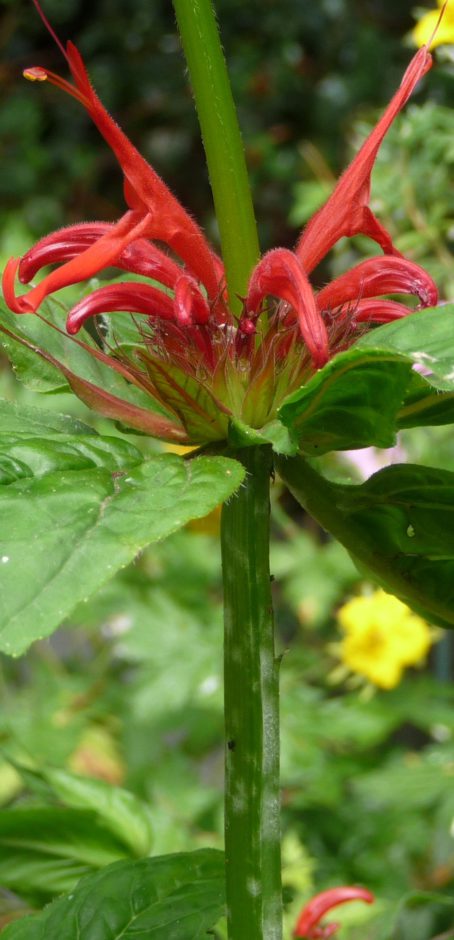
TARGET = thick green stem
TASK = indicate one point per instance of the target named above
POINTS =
(252, 805)
(222, 141)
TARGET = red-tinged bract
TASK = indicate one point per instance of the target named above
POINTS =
(191, 354)
(308, 925)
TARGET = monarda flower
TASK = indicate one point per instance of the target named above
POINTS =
(308, 925)
(199, 364)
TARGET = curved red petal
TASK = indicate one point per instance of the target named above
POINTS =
(321, 903)
(380, 311)
(62, 245)
(101, 254)
(381, 275)
(140, 257)
(347, 212)
(132, 298)
(15, 303)
(190, 304)
(280, 274)
(146, 190)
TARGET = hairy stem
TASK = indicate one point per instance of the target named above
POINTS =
(222, 141)
(252, 805)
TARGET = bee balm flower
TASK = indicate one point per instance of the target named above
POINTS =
(308, 925)
(193, 355)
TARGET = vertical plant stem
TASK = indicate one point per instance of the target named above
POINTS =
(222, 141)
(252, 804)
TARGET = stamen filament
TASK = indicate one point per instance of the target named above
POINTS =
(37, 74)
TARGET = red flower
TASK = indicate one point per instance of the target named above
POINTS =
(245, 366)
(308, 925)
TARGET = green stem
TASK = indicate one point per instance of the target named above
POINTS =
(252, 805)
(222, 141)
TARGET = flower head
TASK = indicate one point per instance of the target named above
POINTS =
(382, 637)
(192, 354)
(308, 925)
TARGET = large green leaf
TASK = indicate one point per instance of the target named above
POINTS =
(425, 405)
(173, 897)
(34, 443)
(352, 402)
(426, 338)
(118, 810)
(47, 333)
(80, 507)
(24, 336)
(44, 850)
(398, 526)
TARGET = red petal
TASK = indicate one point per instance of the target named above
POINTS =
(279, 273)
(346, 212)
(170, 221)
(380, 275)
(62, 245)
(190, 304)
(132, 298)
(379, 311)
(140, 257)
(16, 304)
(321, 903)
(99, 255)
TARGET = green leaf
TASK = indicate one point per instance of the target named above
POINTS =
(426, 338)
(118, 810)
(352, 402)
(398, 527)
(44, 850)
(23, 420)
(275, 433)
(27, 339)
(170, 897)
(66, 532)
(425, 405)
(34, 443)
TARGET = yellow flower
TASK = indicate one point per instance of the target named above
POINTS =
(425, 27)
(382, 636)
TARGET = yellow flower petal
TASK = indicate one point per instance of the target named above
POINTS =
(425, 27)
(382, 636)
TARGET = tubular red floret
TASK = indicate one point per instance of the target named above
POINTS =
(280, 274)
(140, 257)
(131, 298)
(60, 246)
(379, 311)
(190, 304)
(347, 210)
(320, 904)
(99, 255)
(146, 191)
(16, 304)
(381, 275)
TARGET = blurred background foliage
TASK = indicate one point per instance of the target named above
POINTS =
(300, 73)
(129, 693)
